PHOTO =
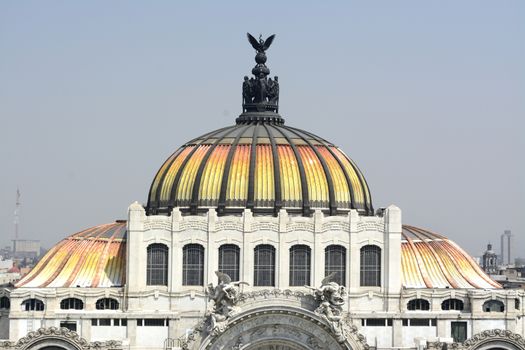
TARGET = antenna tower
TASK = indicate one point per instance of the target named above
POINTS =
(17, 210)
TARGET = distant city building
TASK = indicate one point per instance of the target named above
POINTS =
(490, 261)
(9, 272)
(519, 262)
(506, 248)
(26, 248)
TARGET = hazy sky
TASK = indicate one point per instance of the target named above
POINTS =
(428, 97)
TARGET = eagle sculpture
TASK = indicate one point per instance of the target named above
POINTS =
(260, 45)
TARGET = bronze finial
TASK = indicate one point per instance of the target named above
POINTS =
(260, 94)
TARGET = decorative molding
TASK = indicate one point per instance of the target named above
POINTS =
(488, 337)
(377, 226)
(151, 224)
(227, 225)
(61, 334)
(264, 226)
(275, 293)
(294, 226)
(193, 223)
(336, 226)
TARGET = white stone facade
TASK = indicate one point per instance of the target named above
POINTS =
(183, 307)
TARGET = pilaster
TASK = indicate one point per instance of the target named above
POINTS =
(318, 253)
(392, 253)
(135, 268)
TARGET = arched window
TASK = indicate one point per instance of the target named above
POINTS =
(5, 303)
(157, 265)
(193, 265)
(264, 265)
(71, 304)
(370, 266)
(229, 255)
(493, 306)
(418, 304)
(33, 305)
(300, 265)
(335, 261)
(107, 304)
(452, 304)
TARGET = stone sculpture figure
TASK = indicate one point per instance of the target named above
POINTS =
(331, 298)
(225, 295)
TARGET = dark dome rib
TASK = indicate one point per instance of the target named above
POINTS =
(302, 173)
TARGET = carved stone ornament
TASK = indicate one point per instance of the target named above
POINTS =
(225, 295)
(59, 336)
(331, 299)
(269, 317)
(493, 338)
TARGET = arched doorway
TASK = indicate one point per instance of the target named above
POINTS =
(51, 344)
(497, 345)
(276, 328)
(54, 338)
(495, 339)
(276, 345)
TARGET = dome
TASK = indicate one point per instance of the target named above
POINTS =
(429, 260)
(262, 165)
(95, 257)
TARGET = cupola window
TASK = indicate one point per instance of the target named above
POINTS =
(370, 266)
(335, 261)
(157, 265)
(33, 305)
(71, 304)
(264, 265)
(300, 256)
(229, 255)
(418, 304)
(493, 306)
(193, 265)
(107, 304)
(5, 303)
(452, 304)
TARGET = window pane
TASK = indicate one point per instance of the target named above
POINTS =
(229, 260)
(418, 304)
(371, 266)
(300, 265)
(264, 265)
(193, 265)
(157, 265)
(107, 304)
(335, 261)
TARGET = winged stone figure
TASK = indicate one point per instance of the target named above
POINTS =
(260, 45)
(225, 296)
(328, 278)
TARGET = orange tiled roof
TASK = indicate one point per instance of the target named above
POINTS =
(96, 258)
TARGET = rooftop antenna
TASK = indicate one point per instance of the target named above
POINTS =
(17, 210)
